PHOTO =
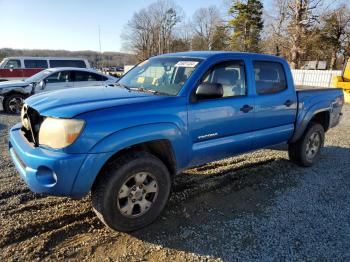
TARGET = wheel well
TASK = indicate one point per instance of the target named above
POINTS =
(12, 93)
(160, 148)
(322, 118)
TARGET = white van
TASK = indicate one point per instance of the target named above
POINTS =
(18, 68)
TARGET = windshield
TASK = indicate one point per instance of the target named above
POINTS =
(165, 75)
(2, 63)
(38, 77)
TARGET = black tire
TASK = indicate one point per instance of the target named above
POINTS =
(106, 190)
(298, 151)
(8, 105)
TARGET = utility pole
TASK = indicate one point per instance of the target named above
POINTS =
(99, 41)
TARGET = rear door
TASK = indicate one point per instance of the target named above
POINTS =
(220, 127)
(84, 79)
(275, 104)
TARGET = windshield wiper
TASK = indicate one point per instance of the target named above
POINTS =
(122, 85)
(145, 90)
(142, 89)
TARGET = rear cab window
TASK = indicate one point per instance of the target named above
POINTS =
(67, 63)
(13, 63)
(269, 77)
(29, 63)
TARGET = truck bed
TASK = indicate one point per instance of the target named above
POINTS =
(311, 100)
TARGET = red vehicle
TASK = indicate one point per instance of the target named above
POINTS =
(18, 68)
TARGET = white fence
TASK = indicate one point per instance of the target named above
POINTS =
(321, 78)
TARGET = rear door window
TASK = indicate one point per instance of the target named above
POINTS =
(35, 63)
(67, 63)
(13, 63)
(87, 76)
(269, 77)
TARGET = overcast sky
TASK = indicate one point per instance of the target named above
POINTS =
(73, 24)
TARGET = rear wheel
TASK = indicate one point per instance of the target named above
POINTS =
(13, 103)
(306, 150)
(132, 191)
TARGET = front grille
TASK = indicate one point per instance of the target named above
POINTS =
(34, 122)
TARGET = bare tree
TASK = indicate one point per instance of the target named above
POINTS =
(335, 30)
(276, 29)
(151, 30)
(302, 15)
(205, 23)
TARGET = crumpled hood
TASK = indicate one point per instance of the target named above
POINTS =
(68, 103)
(12, 83)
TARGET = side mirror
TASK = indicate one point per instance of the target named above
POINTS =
(41, 84)
(209, 90)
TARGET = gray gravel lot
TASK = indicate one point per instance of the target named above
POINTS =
(255, 207)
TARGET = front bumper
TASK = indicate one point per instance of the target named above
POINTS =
(52, 172)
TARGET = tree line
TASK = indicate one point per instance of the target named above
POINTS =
(298, 30)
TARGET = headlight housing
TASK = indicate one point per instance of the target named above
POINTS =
(58, 133)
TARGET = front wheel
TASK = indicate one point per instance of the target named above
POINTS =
(131, 192)
(13, 103)
(306, 150)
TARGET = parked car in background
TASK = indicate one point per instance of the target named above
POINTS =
(18, 68)
(12, 93)
(170, 112)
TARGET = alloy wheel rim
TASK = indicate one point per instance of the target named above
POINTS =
(137, 194)
(15, 104)
(313, 145)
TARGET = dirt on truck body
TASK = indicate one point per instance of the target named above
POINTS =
(256, 206)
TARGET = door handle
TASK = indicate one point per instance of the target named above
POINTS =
(246, 108)
(288, 103)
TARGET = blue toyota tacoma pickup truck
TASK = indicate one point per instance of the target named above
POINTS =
(124, 144)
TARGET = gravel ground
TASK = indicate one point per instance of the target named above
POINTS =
(256, 206)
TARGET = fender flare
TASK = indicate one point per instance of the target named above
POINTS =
(302, 122)
(26, 91)
(122, 139)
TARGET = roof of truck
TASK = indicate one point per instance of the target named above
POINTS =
(209, 54)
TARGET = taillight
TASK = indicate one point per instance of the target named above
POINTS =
(340, 100)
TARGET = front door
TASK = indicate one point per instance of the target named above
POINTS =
(220, 127)
(57, 81)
